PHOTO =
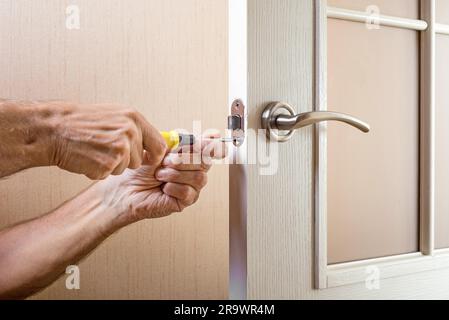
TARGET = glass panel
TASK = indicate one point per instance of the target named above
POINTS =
(442, 144)
(373, 179)
(442, 11)
(399, 8)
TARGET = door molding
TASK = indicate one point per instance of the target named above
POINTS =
(320, 145)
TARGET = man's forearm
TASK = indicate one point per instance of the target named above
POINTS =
(25, 136)
(35, 253)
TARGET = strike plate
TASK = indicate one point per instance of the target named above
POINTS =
(236, 122)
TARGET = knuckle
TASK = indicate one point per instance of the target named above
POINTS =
(133, 133)
(130, 130)
(121, 147)
(92, 176)
(200, 179)
(195, 199)
(108, 166)
(186, 194)
(192, 199)
(101, 175)
(130, 112)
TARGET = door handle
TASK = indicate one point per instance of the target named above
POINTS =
(280, 120)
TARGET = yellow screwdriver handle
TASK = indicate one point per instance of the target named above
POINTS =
(171, 139)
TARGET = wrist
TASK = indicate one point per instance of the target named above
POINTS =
(44, 121)
(31, 122)
(24, 135)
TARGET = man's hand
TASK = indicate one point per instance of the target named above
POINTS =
(35, 253)
(94, 140)
(100, 140)
(155, 191)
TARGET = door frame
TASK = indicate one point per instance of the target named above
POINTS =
(252, 36)
(238, 89)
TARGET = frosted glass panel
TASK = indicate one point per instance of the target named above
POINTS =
(373, 179)
(442, 144)
(399, 8)
(442, 11)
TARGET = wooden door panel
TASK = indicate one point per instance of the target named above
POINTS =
(168, 58)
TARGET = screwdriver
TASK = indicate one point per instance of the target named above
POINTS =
(175, 139)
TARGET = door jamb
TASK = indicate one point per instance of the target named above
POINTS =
(238, 89)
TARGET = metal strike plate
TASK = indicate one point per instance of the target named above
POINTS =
(236, 122)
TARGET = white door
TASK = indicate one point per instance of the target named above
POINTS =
(342, 213)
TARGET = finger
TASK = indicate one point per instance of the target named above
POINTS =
(153, 142)
(195, 179)
(190, 161)
(185, 194)
(215, 150)
(200, 143)
(212, 134)
(209, 146)
(185, 162)
(136, 154)
(213, 147)
(166, 206)
(209, 138)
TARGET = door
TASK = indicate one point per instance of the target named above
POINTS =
(168, 59)
(346, 213)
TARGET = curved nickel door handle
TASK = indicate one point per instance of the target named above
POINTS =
(280, 117)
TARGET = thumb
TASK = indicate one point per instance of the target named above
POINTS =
(153, 143)
(148, 159)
